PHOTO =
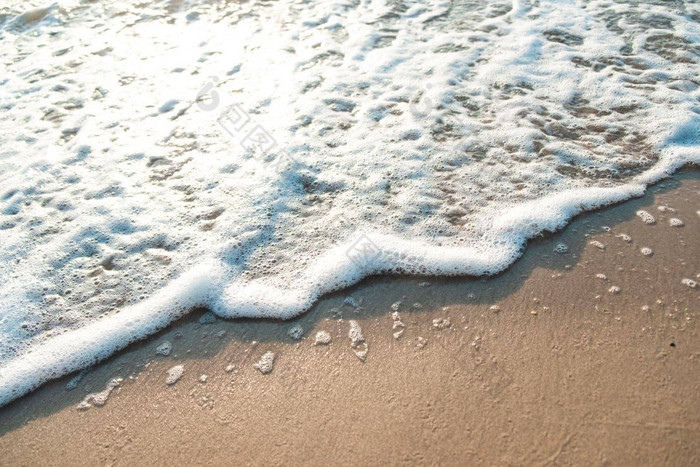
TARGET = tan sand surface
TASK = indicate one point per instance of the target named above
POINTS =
(565, 371)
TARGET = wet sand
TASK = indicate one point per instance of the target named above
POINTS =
(544, 364)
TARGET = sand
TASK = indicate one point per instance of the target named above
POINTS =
(586, 357)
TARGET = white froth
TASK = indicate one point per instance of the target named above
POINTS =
(322, 338)
(296, 332)
(164, 348)
(355, 333)
(99, 399)
(438, 143)
(266, 363)
(646, 217)
(174, 374)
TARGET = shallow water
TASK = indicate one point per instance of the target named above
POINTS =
(249, 157)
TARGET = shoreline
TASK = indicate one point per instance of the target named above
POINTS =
(575, 350)
(66, 353)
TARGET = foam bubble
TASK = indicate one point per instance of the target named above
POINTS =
(625, 237)
(99, 399)
(673, 222)
(560, 248)
(164, 348)
(355, 333)
(646, 217)
(597, 244)
(174, 374)
(646, 251)
(322, 338)
(397, 326)
(296, 332)
(266, 363)
(441, 323)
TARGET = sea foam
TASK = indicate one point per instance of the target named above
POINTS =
(251, 157)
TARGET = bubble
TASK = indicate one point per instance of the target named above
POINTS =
(266, 363)
(99, 399)
(361, 351)
(689, 282)
(441, 323)
(164, 348)
(597, 244)
(174, 374)
(602, 277)
(614, 290)
(560, 248)
(625, 237)
(322, 338)
(646, 251)
(675, 222)
(646, 217)
(355, 333)
(296, 332)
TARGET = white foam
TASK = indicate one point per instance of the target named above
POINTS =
(322, 338)
(266, 363)
(439, 149)
(174, 374)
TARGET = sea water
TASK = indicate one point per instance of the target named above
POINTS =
(249, 157)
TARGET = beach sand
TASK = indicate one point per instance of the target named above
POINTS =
(565, 371)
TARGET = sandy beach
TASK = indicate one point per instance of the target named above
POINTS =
(585, 357)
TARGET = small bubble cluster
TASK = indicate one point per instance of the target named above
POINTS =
(397, 326)
(164, 348)
(597, 244)
(441, 323)
(646, 217)
(266, 363)
(560, 248)
(296, 332)
(625, 237)
(322, 338)
(174, 374)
